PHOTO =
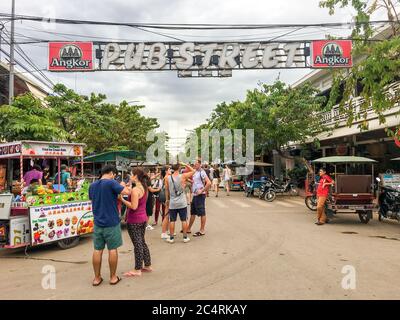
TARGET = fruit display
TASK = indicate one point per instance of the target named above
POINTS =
(85, 226)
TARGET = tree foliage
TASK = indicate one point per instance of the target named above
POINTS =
(378, 68)
(69, 116)
(28, 119)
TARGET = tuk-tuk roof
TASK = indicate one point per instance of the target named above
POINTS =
(249, 163)
(259, 164)
(344, 159)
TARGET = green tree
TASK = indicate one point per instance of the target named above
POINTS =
(279, 114)
(28, 119)
(68, 116)
(379, 68)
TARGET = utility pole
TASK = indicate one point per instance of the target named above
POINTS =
(11, 85)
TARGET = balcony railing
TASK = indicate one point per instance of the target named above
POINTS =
(333, 116)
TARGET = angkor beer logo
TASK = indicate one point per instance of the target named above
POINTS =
(332, 54)
(70, 56)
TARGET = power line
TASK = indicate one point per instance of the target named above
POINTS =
(192, 26)
(27, 70)
(23, 55)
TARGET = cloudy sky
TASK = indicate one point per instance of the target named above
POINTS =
(178, 103)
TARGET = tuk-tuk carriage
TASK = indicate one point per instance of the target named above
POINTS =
(352, 191)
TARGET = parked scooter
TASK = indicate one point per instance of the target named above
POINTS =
(287, 187)
(389, 204)
(266, 191)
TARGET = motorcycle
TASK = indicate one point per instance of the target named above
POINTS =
(287, 187)
(266, 192)
(389, 204)
(311, 200)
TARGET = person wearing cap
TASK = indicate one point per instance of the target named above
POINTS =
(65, 177)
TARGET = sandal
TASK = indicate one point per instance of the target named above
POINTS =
(114, 283)
(198, 234)
(186, 231)
(131, 274)
(97, 284)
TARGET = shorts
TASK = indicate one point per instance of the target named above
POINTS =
(215, 181)
(110, 236)
(188, 187)
(173, 213)
(198, 205)
(150, 206)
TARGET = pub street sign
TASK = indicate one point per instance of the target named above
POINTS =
(200, 59)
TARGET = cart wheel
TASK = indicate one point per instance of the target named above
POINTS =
(270, 196)
(364, 217)
(68, 243)
(311, 203)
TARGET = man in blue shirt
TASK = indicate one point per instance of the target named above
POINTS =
(107, 229)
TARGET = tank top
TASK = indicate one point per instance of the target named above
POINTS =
(139, 215)
(177, 194)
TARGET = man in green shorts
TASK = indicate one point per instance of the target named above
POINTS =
(107, 229)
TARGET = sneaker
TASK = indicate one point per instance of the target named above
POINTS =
(149, 227)
(169, 234)
(164, 236)
(170, 240)
(186, 240)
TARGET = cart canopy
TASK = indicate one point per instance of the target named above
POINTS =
(344, 159)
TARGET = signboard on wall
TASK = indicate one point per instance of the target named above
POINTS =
(57, 222)
(331, 54)
(70, 56)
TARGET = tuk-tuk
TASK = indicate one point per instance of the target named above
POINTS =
(354, 192)
(257, 178)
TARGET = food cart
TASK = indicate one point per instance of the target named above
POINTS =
(49, 214)
(352, 191)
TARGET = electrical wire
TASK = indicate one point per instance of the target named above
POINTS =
(29, 61)
(187, 26)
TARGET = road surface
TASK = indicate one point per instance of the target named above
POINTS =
(252, 250)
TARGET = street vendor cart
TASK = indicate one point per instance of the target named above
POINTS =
(353, 191)
(49, 213)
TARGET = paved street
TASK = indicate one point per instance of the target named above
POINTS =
(252, 250)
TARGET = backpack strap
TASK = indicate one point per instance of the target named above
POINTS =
(173, 183)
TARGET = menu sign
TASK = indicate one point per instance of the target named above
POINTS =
(52, 223)
(52, 150)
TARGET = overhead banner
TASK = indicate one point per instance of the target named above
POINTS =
(331, 54)
(203, 57)
(70, 56)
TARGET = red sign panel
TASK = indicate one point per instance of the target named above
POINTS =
(396, 140)
(331, 54)
(70, 56)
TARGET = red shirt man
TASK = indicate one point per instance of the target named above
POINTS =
(325, 182)
(322, 193)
